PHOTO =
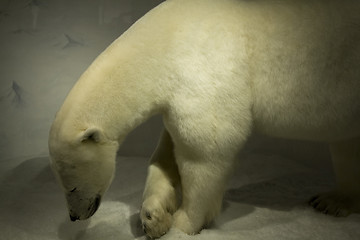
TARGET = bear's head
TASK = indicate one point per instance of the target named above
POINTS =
(84, 165)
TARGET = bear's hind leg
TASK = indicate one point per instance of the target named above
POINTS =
(159, 198)
(346, 198)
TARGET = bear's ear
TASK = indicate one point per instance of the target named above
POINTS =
(91, 134)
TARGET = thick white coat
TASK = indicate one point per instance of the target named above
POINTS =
(217, 71)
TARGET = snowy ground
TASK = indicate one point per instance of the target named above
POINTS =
(266, 200)
(44, 47)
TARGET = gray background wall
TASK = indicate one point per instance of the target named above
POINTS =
(44, 47)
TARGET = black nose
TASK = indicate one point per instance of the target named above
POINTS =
(73, 218)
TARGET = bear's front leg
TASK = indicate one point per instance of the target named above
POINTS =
(346, 198)
(159, 198)
(203, 182)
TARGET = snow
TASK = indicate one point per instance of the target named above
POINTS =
(44, 47)
(266, 199)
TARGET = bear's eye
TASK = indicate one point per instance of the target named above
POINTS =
(74, 189)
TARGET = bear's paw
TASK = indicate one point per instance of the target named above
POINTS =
(156, 218)
(334, 203)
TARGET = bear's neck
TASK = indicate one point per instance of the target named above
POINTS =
(119, 91)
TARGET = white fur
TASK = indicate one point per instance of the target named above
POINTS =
(217, 71)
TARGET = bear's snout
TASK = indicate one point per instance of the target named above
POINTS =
(82, 207)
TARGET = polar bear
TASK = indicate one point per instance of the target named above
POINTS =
(217, 71)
